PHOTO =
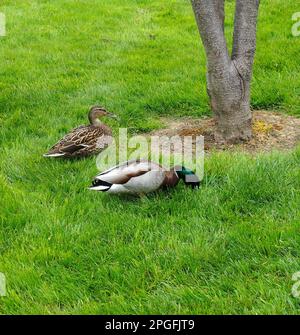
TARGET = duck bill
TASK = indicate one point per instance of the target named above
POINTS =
(113, 116)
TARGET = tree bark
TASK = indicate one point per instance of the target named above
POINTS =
(228, 78)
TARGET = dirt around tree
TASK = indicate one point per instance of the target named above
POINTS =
(271, 131)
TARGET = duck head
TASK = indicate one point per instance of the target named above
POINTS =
(96, 112)
(187, 175)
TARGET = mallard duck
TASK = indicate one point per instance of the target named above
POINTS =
(141, 177)
(85, 140)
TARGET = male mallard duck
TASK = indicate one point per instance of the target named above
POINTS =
(141, 177)
(85, 140)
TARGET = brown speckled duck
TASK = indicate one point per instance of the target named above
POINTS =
(85, 140)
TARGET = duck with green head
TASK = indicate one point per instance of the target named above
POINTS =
(141, 177)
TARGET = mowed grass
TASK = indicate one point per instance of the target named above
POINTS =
(231, 247)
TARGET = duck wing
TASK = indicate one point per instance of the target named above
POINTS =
(121, 174)
(119, 178)
(80, 141)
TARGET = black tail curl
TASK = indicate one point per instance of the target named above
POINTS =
(99, 182)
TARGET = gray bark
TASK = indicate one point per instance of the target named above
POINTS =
(228, 78)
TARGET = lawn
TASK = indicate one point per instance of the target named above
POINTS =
(231, 247)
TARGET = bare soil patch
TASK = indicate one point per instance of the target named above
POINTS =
(271, 130)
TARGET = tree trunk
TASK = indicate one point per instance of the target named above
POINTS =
(228, 78)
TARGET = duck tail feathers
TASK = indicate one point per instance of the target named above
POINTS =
(100, 185)
(54, 154)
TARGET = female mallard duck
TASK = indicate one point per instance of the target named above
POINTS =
(141, 177)
(85, 140)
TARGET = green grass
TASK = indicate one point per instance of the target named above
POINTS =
(230, 247)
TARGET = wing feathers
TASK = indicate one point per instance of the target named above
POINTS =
(123, 173)
(81, 141)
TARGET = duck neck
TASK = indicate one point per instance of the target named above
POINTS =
(94, 121)
(171, 178)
